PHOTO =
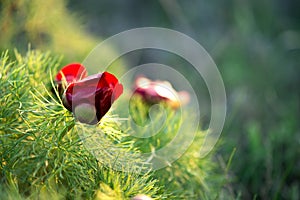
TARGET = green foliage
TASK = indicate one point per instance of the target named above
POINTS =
(46, 154)
(49, 26)
(46, 26)
(189, 177)
(272, 160)
(259, 65)
(41, 152)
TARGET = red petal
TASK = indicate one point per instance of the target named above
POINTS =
(118, 90)
(107, 80)
(72, 72)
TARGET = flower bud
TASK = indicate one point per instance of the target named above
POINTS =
(95, 93)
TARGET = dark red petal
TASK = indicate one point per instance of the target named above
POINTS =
(103, 101)
(67, 97)
(107, 80)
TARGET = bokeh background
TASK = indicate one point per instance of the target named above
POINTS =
(255, 44)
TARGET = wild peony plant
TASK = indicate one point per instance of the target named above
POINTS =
(43, 153)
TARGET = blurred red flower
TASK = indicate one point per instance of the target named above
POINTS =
(160, 91)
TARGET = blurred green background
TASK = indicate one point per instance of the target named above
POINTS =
(255, 44)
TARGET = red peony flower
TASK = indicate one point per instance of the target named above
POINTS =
(91, 98)
(160, 91)
(68, 74)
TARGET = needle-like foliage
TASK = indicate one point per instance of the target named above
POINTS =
(189, 177)
(46, 154)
